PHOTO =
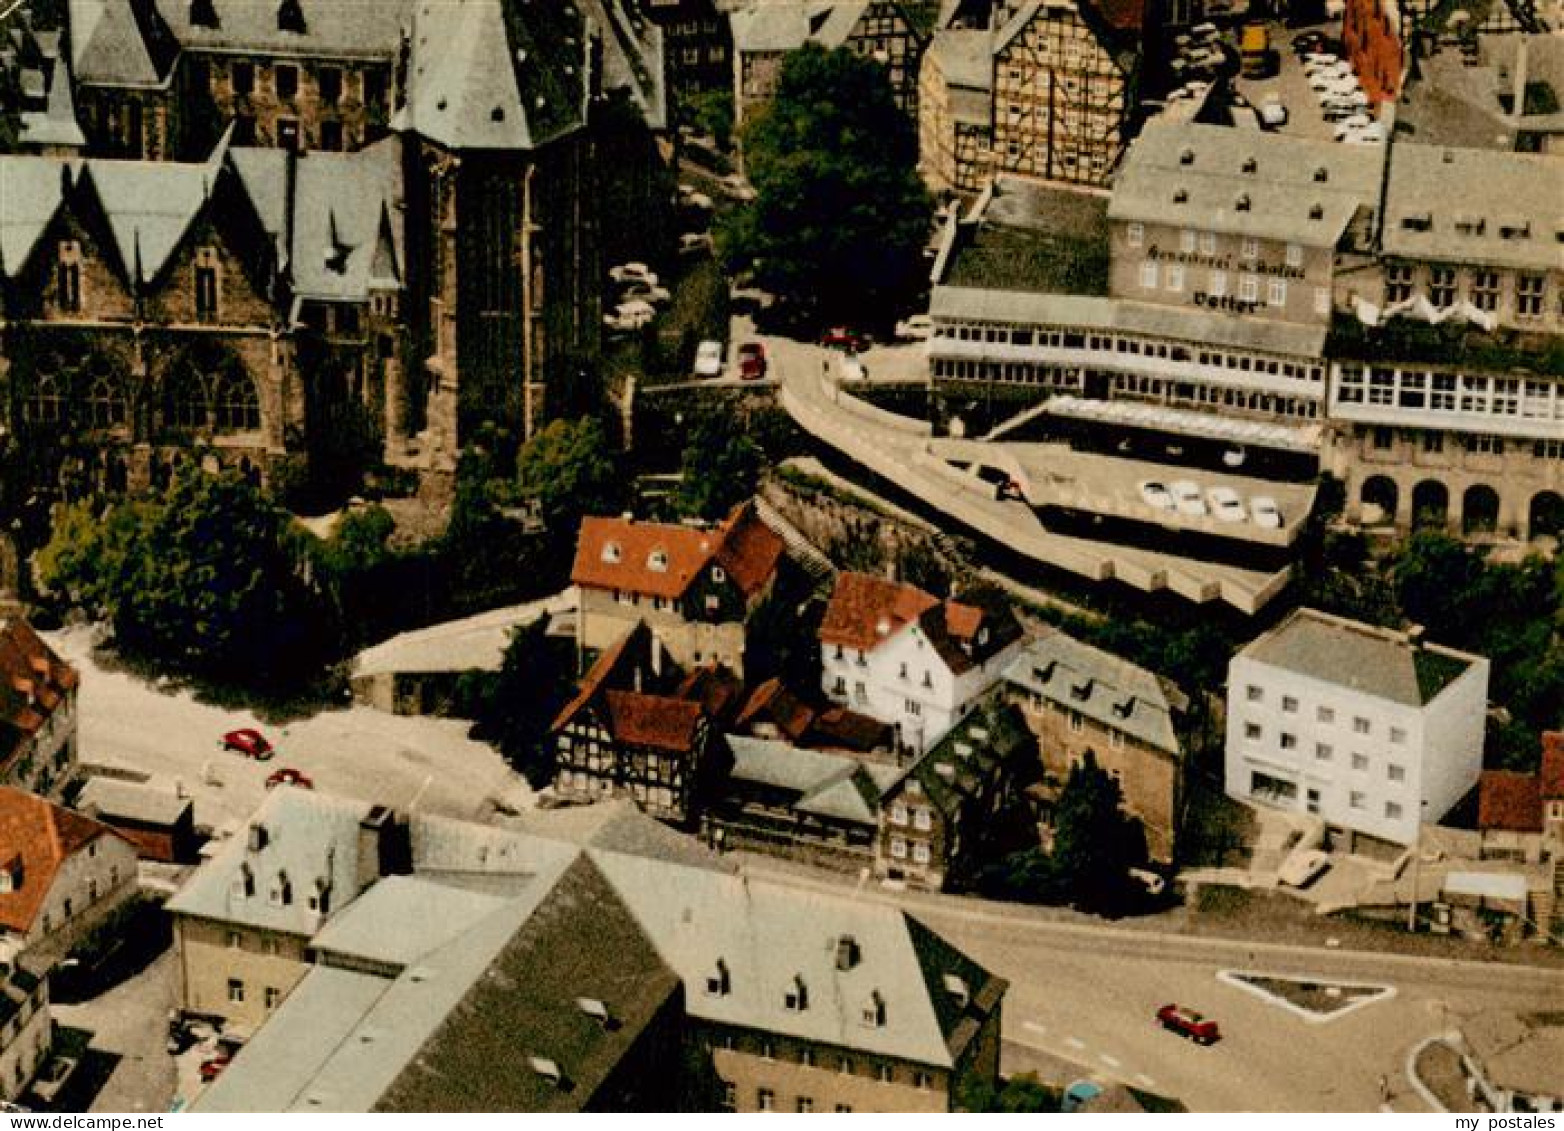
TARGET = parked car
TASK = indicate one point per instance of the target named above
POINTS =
(694, 243)
(1264, 511)
(630, 315)
(1156, 495)
(249, 742)
(752, 361)
(1226, 504)
(853, 369)
(632, 273)
(841, 338)
(1187, 1023)
(212, 1067)
(918, 328)
(1371, 134)
(1302, 868)
(708, 359)
(1186, 498)
(1273, 114)
(287, 775)
(645, 292)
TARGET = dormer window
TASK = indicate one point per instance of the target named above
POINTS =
(1186, 157)
(1181, 196)
(874, 1011)
(203, 14)
(719, 983)
(282, 891)
(290, 17)
(1250, 165)
(320, 898)
(1321, 175)
(612, 553)
(244, 882)
(1316, 212)
(797, 996)
(718, 574)
(1417, 222)
(1242, 203)
(657, 561)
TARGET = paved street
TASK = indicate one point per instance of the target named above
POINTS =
(355, 751)
(1086, 992)
(128, 1027)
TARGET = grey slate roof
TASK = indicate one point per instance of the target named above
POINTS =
(767, 26)
(1088, 312)
(108, 798)
(120, 43)
(31, 192)
(310, 840)
(1512, 204)
(955, 769)
(1281, 192)
(336, 28)
(347, 222)
(1103, 687)
(1375, 661)
(150, 205)
(457, 1026)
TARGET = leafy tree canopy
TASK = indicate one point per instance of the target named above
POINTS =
(205, 580)
(721, 468)
(514, 707)
(840, 216)
(570, 470)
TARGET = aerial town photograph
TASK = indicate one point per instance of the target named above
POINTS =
(860, 556)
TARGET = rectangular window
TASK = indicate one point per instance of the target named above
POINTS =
(1323, 751)
(1276, 293)
(1207, 243)
(244, 78)
(1294, 255)
(1288, 741)
(331, 136)
(1251, 247)
(1398, 735)
(1322, 300)
(806, 1104)
(1290, 704)
(1485, 289)
(1148, 275)
(1441, 286)
(730, 1096)
(1357, 800)
(1398, 283)
(374, 89)
(273, 997)
(1252, 731)
(235, 991)
(1360, 725)
(1393, 810)
(1217, 284)
(1186, 241)
(1075, 722)
(1136, 234)
(1395, 772)
(1254, 693)
(1249, 288)
(330, 85)
(288, 134)
(1360, 761)
(235, 940)
(206, 291)
(766, 1100)
(287, 80)
(68, 284)
(1175, 278)
(1529, 295)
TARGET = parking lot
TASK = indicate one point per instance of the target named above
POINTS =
(137, 727)
(1290, 85)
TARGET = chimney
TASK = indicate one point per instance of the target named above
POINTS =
(384, 847)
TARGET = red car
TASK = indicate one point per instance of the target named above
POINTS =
(212, 1067)
(1187, 1023)
(841, 338)
(289, 776)
(249, 742)
(752, 361)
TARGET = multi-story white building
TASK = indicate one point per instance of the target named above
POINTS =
(909, 659)
(26, 1029)
(1372, 730)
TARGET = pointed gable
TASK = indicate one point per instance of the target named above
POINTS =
(32, 193)
(36, 839)
(121, 43)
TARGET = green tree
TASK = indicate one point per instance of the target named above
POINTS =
(1021, 1094)
(205, 580)
(569, 470)
(840, 215)
(515, 706)
(721, 467)
(711, 112)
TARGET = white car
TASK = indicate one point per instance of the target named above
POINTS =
(1156, 495)
(1186, 498)
(708, 359)
(645, 292)
(1273, 114)
(630, 316)
(1351, 126)
(853, 369)
(1371, 134)
(1264, 511)
(632, 273)
(1226, 504)
(918, 328)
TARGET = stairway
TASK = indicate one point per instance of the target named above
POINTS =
(820, 569)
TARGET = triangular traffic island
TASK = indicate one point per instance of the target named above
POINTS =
(1316, 1000)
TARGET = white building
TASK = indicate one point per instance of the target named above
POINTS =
(26, 1029)
(1368, 728)
(905, 657)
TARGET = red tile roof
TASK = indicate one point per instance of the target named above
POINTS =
(42, 836)
(652, 720)
(714, 687)
(614, 665)
(33, 682)
(1124, 15)
(1552, 771)
(866, 610)
(773, 703)
(618, 553)
(1509, 801)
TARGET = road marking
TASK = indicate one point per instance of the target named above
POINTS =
(1075, 1042)
(1144, 1081)
(1110, 1061)
(1034, 1026)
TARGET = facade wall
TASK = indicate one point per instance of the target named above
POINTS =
(1526, 299)
(1177, 265)
(1061, 100)
(797, 1073)
(1151, 779)
(221, 961)
(337, 104)
(604, 620)
(25, 1041)
(46, 762)
(92, 880)
(1357, 761)
(135, 123)
(917, 843)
